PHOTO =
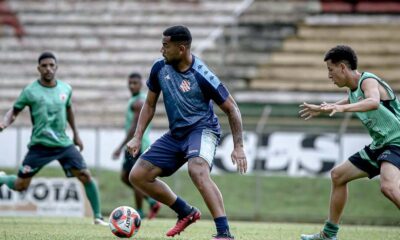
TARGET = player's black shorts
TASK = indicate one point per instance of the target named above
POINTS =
(370, 160)
(129, 161)
(38, 156)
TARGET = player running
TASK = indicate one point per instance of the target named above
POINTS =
(376, 105)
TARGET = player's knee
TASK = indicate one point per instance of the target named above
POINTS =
(336, 176)
(135, 178)
(387, 188)
(84, 176)
(21, 185)
(199, 172)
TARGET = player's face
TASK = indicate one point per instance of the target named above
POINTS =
(336, 73)
(134, 85)
(47, 69)
(171, 51)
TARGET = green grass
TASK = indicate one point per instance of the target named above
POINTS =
(81, 229)
(280, 199)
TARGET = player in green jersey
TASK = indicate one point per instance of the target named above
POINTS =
(132, 115)
(376, 105)
(49, 101)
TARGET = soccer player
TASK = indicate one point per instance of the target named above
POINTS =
(189, 88)
(49, 101)
(132, 115)
(376, 105)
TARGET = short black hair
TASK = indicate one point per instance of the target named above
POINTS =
(135, 75)
(179, 33)
(342, 53)
(45, 55)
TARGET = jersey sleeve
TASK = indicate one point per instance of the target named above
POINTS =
(22, 100)
(212, 88)
(152, 83)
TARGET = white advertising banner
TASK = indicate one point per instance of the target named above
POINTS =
(287, 153)
(46, 197)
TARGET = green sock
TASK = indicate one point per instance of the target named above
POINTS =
(330, 229)
(8, 180)
(150, 201)
(141, 214)
(93, 195)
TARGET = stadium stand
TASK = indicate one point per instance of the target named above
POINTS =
(98, 45)
(268, 52)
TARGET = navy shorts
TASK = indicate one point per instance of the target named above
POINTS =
(38, 156)
(129, 161)
(370, 160)
(169, 153)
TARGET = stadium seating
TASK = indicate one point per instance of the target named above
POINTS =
(269, 54)
(98, 46)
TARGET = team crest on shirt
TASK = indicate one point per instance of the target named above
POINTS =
(185, 86)
(63, 97)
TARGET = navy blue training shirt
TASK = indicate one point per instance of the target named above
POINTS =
(187, 96)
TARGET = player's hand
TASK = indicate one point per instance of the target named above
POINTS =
(332, 108)
(116, 154)
(309, 111)
(239, 159)
(78, 142)
(133, 146)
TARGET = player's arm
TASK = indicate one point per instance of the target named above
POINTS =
(371, 102)
(309, 111)
(145, 116)
(9, 118)
(238, 156)
(71, 121)
(136, 107)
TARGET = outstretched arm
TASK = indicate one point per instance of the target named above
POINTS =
(136, 109)
(235, 121)
(309, 111)
(71, 121)
(9, 118)
(371, 102)
(145, 116)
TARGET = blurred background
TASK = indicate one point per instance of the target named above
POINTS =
(269, 54)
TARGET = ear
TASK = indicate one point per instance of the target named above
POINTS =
(182, 48)
(343, 67)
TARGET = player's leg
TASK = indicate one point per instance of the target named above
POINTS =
(138, 194)
(163, 158)
(340, 176)
(201, 150)
(199, 171)
(74, 166)
(390, 182)
(35, 159)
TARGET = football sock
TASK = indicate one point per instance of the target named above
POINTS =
(181, 208)
(140, 211)
(8, 180)
(150, 201)
(93, 195)
(221, 223)
(330, 229)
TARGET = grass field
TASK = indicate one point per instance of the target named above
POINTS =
(76, 228)
(280, 199)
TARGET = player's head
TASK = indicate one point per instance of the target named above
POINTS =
(47, 66)
(134, 82)
(340, 61)
(176, 44)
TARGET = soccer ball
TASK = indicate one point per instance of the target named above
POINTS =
(124, 222)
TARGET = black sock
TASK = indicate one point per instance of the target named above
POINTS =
(181, 208)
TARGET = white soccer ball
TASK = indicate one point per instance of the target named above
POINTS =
(124, 222)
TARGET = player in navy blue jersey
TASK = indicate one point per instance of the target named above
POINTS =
(189, 89)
